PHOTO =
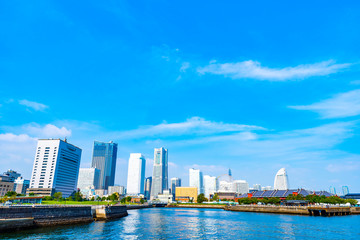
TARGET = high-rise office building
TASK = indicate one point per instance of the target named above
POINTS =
(104, 159)
(56, 167)
(281, 181)
(257, 187)
(88, 179)
(147, 192)
(136, 174)
(20, 185)
(160, 172)
(241, 186)
(175, 182)
(332, 190)
(345, 190)
(211, 185)
(196, 179)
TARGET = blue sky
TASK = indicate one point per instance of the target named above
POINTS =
(249, 86)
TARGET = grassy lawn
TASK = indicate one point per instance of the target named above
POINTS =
(78, 203)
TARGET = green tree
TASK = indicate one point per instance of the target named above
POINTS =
(11, 194)
(123, 200)
(31, 194)
(128, 199)
(201, 198)
(114, 196)
(215, 197)
(78, 196)
(47, 198)
(58, 195)
(351, 201)
(142, 201)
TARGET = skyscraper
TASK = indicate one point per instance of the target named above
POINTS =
(281, 181)
(196, 179)
(241, 186)
(345, 190)
(148, 182)
(160, 172)
(104, 159)
(175, 182)
(56, 167)
(332, 190)
(257, 187)
(211, 185)
(136, 174)
(88, 179)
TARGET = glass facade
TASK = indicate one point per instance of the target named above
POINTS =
(104, 159)
(160, 172)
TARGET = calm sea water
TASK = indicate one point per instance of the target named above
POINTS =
(181, 223)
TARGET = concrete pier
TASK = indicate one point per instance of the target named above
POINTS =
(328, 211)
(269, 209)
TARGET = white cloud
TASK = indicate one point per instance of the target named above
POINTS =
(341, 105)
(192, 126)
(47, 131)
(34, 105)
(253, 69)
(184, 66)
(10, 137)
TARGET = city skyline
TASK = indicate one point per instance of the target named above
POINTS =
(254, 92)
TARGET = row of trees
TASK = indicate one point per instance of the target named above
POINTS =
(78, 197)
(322, 199)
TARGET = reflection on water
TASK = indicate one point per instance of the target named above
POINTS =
(181, 223)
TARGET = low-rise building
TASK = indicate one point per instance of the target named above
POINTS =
(118, 189)
(186, 194)
(165, 197)
(6, 187)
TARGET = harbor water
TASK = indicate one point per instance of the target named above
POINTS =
(183, 223)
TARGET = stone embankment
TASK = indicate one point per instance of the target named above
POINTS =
(196, 206)
(20, 217)
(109, 212)
(132, 207)
(269, 209)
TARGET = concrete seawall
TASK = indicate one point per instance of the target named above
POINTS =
(109, 212)
(133, 207)
(20, 217)
(269, 209)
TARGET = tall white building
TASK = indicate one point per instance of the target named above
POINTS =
(281, 181)
(159, 181)
(88, 179)
(136, 174)
(56, 167)
(211, 185)
(196, 179)
(241, 186)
